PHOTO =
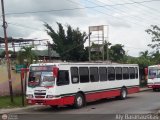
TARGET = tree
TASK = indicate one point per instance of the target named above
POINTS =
(155, 33)
(11, 53)
(117, 53)
(145, 54)
(97, 51)
(156, 57)
(69, 44)
(27, 54)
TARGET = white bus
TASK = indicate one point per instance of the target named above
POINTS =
(59, 84)
(154, 77)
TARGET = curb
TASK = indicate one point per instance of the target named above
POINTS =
(2, 111)
(144, 89)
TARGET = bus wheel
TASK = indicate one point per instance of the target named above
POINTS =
(79, 100)
(123, 94)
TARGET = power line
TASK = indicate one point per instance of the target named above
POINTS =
(142, 11)
(106, 13)
(153, 9)
(138, 18)
(24, 26)
(87, 7)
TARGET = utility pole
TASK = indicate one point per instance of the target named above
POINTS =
(7, 54)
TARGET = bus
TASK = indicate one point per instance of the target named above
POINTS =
(62, 84)
(153, 77)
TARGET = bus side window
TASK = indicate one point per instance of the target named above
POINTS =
(94, 77)
(136, 72)
(132, 72)
(125, 73)
(74, 75)
(84, 74)
(111, 73)
(118, 73)
(103, 73)
(63, 78)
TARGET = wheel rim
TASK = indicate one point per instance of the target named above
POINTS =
(79, 101)
(124, 94)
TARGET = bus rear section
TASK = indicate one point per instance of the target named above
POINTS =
(76, 84)
(154, 77)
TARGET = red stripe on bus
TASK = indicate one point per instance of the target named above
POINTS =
(100, 95)
(133, 90)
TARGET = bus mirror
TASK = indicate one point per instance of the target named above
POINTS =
(146, 71)
(55, 72)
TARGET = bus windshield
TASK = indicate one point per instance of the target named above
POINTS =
(38, 78)
(154, 73)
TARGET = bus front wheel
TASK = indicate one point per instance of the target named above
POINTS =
(79, 100)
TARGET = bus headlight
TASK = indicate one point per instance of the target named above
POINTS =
(29, 96)
(50, 96)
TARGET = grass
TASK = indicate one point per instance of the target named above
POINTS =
(5, 102)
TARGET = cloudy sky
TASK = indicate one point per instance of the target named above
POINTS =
(127, 19)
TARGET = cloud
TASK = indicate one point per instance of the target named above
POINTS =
(126, 23)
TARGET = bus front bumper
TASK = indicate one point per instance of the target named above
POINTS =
(59, 101)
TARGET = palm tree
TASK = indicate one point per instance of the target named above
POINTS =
(144, 54)
(26, 55)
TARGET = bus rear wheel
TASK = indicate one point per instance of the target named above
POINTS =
(79, 101)
(123, 94)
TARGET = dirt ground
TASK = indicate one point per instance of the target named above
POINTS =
(4, 86)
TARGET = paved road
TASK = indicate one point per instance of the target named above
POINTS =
(140, 103)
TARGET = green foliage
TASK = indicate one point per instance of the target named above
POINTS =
(155, 33)
(69, 44)
(3, 54)
(5, 102)
(117, 53)
(97, 50)
(26, 56)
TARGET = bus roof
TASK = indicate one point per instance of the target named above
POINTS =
(84, 63)
(154, 66)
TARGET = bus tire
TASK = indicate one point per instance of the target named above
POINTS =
(123, 94)
(79, 101)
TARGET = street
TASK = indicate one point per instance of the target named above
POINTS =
(138, 103)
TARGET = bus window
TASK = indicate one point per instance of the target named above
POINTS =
(132, 73)
(103, 73)
(125, 73)
(63, 77)
(84, 74)
(47, 79)
(43, 78)
(118, 73)
(111, 73)
(136, 72)
(94, 74)
(34, 79)
(74, 75)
